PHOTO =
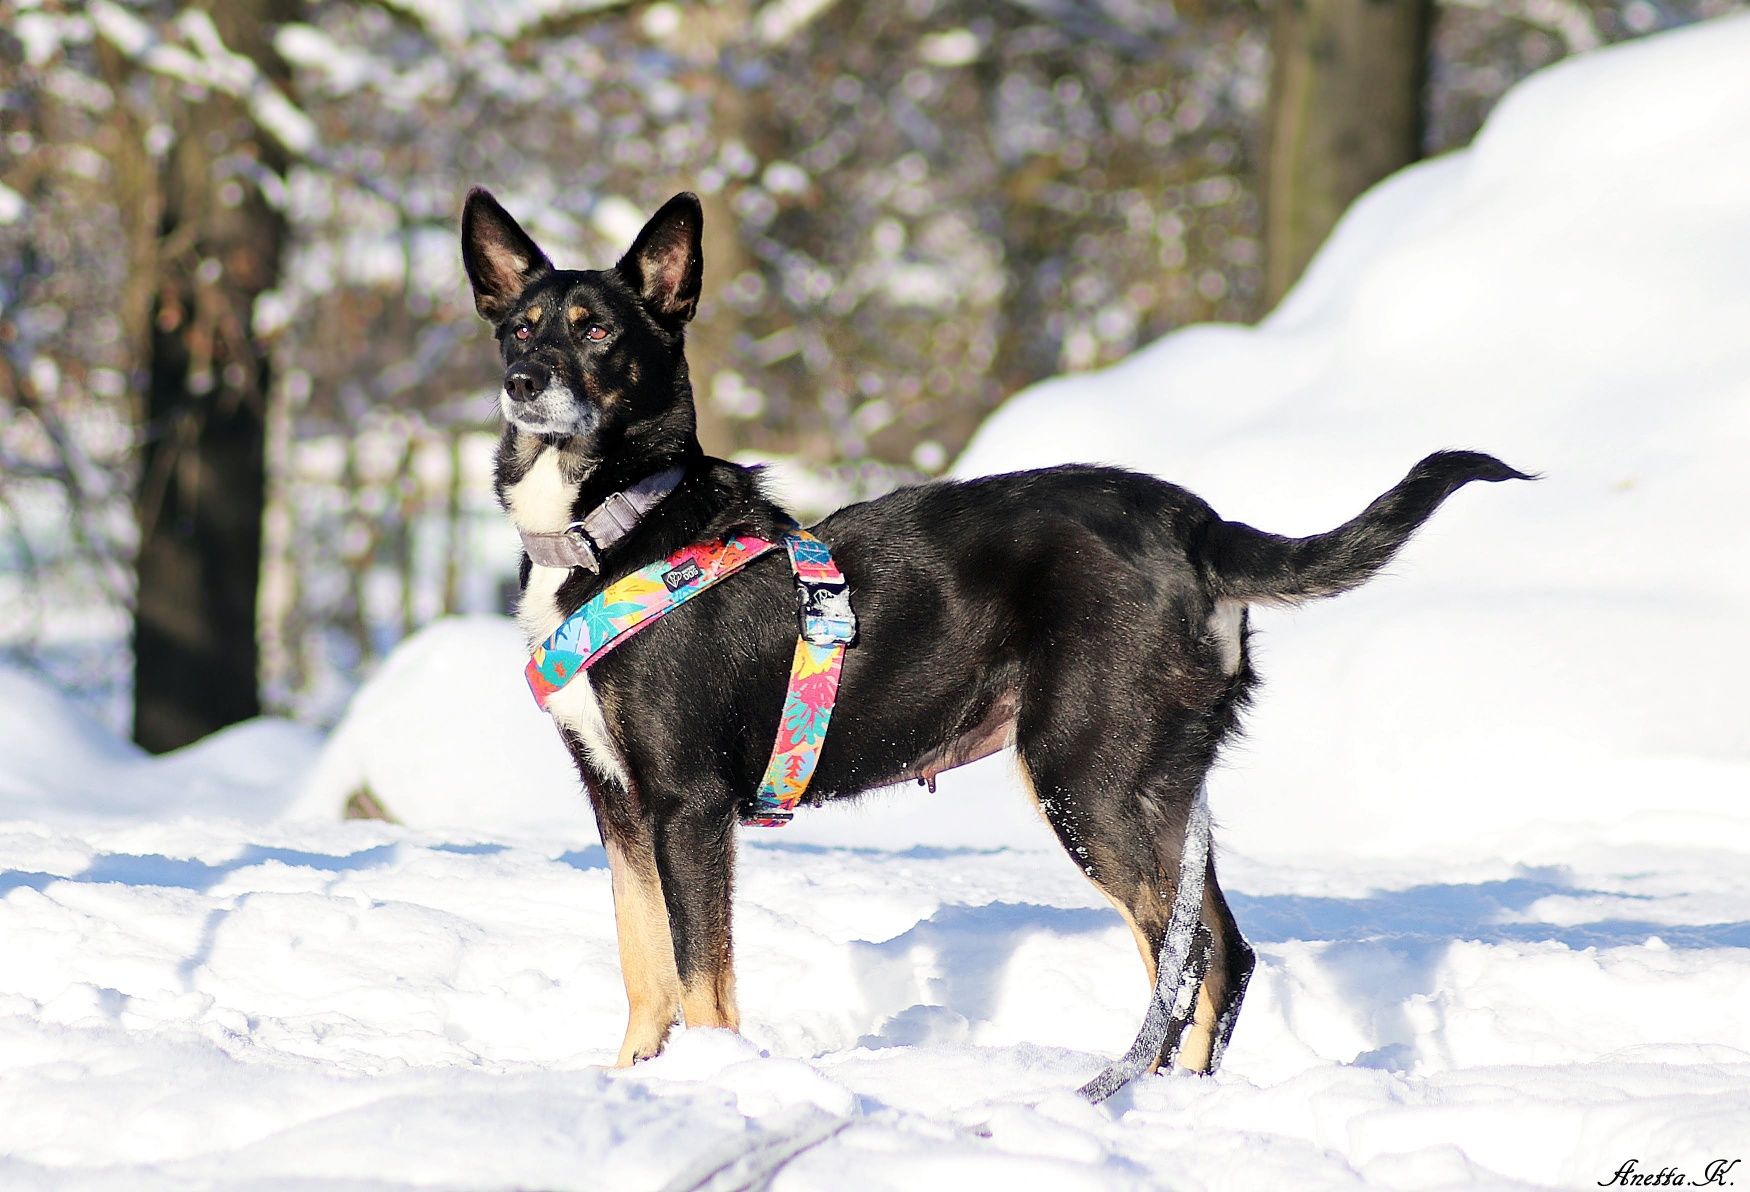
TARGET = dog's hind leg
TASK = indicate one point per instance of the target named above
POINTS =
(647, 958)
(696, 854)
(1182, 965)
(1223, 987)
(1149, 855)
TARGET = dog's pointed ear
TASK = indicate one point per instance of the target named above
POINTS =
(665, 264)
(500, 257)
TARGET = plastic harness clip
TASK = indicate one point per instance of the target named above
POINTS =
(824, 613)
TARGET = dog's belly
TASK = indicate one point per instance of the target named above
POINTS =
(995, 731)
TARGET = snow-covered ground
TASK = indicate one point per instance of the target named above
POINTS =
(1489, 830)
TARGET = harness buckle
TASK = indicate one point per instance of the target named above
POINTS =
(824, 612)
(588, 556)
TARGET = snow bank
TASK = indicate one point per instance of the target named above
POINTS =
(1488, 835)
(57, 764)
(445, 734)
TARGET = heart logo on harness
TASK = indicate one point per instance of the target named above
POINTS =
(680, 576)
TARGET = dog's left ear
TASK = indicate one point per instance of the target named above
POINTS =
(500, 257)
(664, 264)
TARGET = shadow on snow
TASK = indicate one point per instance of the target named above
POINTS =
(928, 984)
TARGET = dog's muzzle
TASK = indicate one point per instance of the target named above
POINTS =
(534, 400)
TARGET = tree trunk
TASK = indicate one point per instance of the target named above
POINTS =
(708, 41)
(203, 467)
(1345, 111)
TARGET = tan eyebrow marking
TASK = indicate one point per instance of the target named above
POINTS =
(533, 314)
(577, 313)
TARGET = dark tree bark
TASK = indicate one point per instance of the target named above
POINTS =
(1346, 109)
(709, 42)
(203, 466)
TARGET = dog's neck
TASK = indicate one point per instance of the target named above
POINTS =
(545, 486)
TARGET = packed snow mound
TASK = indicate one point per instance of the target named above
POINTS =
(1570, 294)
(446, 734)
(58, 764)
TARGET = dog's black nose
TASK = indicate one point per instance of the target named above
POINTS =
(526, 381)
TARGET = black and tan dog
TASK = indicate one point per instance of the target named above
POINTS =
(1092, 618)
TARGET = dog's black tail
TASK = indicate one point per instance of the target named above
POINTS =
(1248, 564)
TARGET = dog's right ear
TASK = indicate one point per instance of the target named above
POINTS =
(500, 258)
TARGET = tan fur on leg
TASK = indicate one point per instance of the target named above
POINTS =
(1150, 963)
(653, 987)
(708, 990)
(710, 1001)
(1142, 945)
(1199, 1039)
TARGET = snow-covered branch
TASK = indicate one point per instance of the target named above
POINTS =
(203, 60)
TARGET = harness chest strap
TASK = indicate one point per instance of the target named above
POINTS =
(627, 605)
(827, 627)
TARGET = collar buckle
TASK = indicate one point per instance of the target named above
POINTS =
(588, 554)
(581, 543)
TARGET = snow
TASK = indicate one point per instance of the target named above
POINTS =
(59, 762)
(445, 734)
(342, 68)
(12, 205)
(779, 21)
(455, 23)
(1487, 831)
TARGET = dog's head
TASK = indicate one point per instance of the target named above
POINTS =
(589, 355)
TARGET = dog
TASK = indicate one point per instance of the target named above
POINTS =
(1093, 619)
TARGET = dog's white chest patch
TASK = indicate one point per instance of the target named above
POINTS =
(541, 503)
(575, 707)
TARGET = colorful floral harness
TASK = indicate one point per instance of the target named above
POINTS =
(827, 627)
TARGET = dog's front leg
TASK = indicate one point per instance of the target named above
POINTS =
(695, 850)
(647, 955)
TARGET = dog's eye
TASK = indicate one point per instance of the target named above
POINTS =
(595, 333)
(522, 332)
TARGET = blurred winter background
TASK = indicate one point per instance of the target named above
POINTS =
(245, 404)
(1487, 828)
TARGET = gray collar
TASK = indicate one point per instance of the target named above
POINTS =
(581, 543)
